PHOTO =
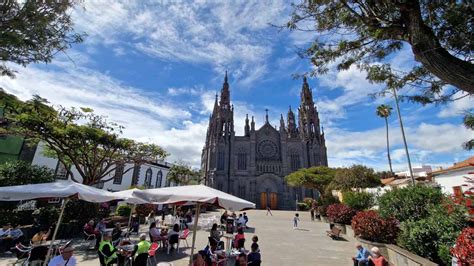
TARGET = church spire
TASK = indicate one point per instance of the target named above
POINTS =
(306, 94)
(247, 127)
(266, 116)
(292, 131)
(225, 94)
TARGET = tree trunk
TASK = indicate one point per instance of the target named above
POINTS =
(388, 146)
(429, 52)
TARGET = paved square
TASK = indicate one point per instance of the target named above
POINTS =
(279, 243)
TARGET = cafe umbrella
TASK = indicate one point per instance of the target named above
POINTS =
(199, 194)
(65, 190)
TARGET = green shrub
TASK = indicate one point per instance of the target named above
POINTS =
(81, 211)
(324, 202)
(432, 237)
(358, 200)
(409, 203)
(302, 206)
(123, 210)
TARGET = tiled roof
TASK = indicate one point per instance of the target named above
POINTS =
(466, 163)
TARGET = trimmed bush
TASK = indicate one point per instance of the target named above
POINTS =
(464, 248)
(144, 209)
(123, 210)
(340, 213)
(433, 236)
(409, 203)
(358, 200)
(369, 225)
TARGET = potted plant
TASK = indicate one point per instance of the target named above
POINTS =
(341, 215)
(373, 230)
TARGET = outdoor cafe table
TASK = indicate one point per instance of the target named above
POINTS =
(229, 238)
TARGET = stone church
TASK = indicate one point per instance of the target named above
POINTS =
(253, 166)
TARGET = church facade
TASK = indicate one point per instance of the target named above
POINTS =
(253, 166)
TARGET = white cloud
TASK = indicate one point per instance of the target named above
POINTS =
(457, 107)
(225, 35)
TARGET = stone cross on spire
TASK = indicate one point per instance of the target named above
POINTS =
(266, 115)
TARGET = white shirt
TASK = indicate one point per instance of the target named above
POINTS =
(59, 261)
(241, 220)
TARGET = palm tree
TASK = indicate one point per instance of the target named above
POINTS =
(385, 111)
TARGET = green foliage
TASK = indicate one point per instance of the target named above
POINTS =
(409, 203)
(81, 211)
(357, 176)
(432, 237)
(47, 215)
(324, 202)
(468, 122)
(14, 173)
(358, 200)
(182, 174)
(123, 210)
(302, 206)
(384, 111)
(365, 34)
(34, 31)
(317, 177)
(80, 138)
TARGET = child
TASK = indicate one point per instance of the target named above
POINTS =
(295, 221)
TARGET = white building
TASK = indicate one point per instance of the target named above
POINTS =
(418, 171)
(452, 179)
(148, 175)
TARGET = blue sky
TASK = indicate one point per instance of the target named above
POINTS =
(155, 67)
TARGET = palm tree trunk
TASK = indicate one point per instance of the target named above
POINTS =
(404, 139)
(388, 146)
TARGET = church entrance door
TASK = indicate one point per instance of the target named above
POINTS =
(269, 199)
(273, 201)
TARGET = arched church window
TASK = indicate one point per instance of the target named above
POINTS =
(294, 161)
(220, 160)
(148, 175)
(159, 179)
(242, 160)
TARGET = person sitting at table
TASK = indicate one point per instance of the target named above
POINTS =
(216, 235)
(238, 243)
(135, 224)
(4, 235)
(241, 260)
(241, 221)
(66, 258)
(254, 257)
(224, 218)
(154, 232)
(173, 236)
(101, 226)
(107, 252)
(117, 232)
(89, 229)
(41, 236)
(141, 247)
(255, 241)
(233, 215)
(14, 237)
(202, 259)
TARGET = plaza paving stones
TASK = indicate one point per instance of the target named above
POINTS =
(279, 243)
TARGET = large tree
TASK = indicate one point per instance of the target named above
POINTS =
(356, 176)
(14, 173)
(469, 124)
(384, 111)
(79, 139)
(367, 33)
(183, 174)
(34, 31)
(317, 177)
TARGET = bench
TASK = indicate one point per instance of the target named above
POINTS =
(334, 233)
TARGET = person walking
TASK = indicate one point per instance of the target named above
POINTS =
(295, 221)
(311, 211)
(269, 211)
